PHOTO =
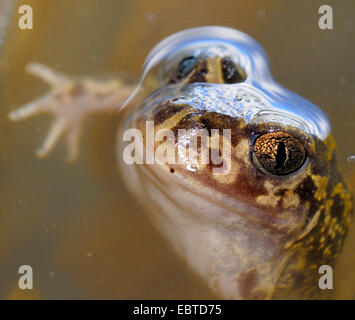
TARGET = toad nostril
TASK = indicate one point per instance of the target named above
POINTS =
(231, 73)
(186, 66)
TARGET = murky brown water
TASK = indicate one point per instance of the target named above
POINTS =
(76, 225)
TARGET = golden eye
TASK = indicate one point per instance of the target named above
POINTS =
(231, 73)
(186, 66)
(278, 153)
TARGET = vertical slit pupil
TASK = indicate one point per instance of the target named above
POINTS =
(280, 155)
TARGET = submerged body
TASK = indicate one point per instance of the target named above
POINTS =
(259, 223)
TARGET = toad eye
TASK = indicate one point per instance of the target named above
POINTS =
(278, 153)
(231, 73)
(186, 66)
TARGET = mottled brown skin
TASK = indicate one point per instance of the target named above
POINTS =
(330, 216)
(312, 207)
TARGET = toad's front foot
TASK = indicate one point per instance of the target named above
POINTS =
(70, 100)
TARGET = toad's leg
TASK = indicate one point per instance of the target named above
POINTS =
(70, 100)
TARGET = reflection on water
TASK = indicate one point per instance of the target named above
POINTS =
(76, 225)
